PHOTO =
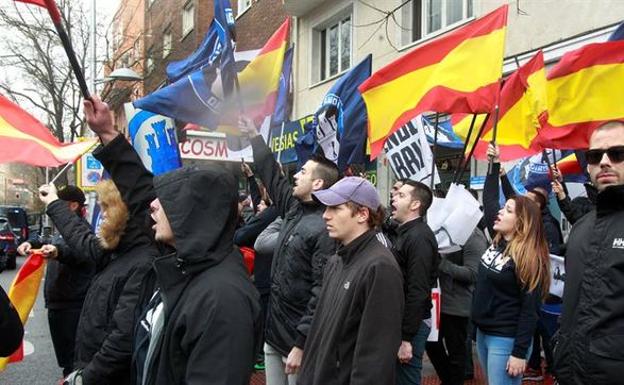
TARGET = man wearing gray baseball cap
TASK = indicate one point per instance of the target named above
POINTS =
(356, 329)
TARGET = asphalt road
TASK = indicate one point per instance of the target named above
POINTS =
(39, 365)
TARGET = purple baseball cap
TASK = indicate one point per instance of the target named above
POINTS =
(351, 188)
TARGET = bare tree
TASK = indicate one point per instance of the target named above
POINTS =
(38, 74)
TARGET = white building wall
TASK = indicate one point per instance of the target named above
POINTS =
(559, 25)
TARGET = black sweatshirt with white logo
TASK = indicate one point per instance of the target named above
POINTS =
(501, 306)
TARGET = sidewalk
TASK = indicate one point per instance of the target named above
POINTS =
(429, 375)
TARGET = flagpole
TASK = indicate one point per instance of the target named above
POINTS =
(433, 150)
(55, 15)
(474, 146)
(472, 123)
(279, 152)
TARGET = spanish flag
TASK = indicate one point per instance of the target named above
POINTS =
(458, 72)
(584, 90)
(523, 100)
(259, 81)
(24, 139)
(569, 165)
(23, 293)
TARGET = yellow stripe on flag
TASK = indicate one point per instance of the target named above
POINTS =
(67, 153)
(591, 94)
(462, 70)
(24, 290)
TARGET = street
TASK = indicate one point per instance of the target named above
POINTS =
(39, 364)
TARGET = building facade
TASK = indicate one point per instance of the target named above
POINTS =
(331, 36)
(128, 40)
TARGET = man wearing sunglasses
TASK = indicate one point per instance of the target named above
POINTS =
(589, 347)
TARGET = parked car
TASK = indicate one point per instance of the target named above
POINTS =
(18, 219)
(8, 245)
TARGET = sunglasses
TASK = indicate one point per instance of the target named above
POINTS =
(615, 154)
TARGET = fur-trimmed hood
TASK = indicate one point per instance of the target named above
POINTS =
(115, 213)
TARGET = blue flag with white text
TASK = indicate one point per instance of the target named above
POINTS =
(206, 55)
(224, 19)
(342, 119)
(191, 99)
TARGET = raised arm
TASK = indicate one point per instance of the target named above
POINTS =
(268, 171)
(131, 177)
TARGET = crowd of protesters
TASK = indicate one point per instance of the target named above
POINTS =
(341, 289)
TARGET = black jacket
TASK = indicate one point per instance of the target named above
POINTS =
(416, 250)
(356, 330)
(576, 208)
(67, 277)
(246, 234)
(302, 249)
(11, 329)
(458, 274)
(104, 335)
(591, 337)
(211, 309)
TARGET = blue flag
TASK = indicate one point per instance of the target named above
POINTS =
(282, 107)
(190, 99)
(446, 136)
(206, 55)
(342, 119)
(618, 34)
(224, 19)
(154, 139)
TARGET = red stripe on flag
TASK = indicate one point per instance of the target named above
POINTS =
(17, 355)
(23, 121)
(609, 52)
(40, 3)
(443, 99)
(277, 39)
(33, 263)
(433, 52)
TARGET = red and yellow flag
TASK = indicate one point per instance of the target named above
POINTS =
(259, 81)
(23, 293)
(458, 72)
(24, 139)
(523, 100)
(569, 165)
(584, 91)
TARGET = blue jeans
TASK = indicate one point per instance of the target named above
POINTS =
(494, 352)
(409, 373)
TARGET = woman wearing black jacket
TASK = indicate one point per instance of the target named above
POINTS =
(513, 276)
(123, 256)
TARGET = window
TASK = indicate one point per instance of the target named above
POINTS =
(422, 18)
(167, 38)
(334, 48)
(149, 61)
(188, 18)
(243, 5)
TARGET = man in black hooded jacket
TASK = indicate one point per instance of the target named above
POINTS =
(199, 325)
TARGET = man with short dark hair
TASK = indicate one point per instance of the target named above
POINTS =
(357, 324)
(303, 247)
(588, 347)
(67, 280)
(416, 250)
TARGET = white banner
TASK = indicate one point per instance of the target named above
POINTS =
(557, 275)
(409, 153)
(454, 218)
